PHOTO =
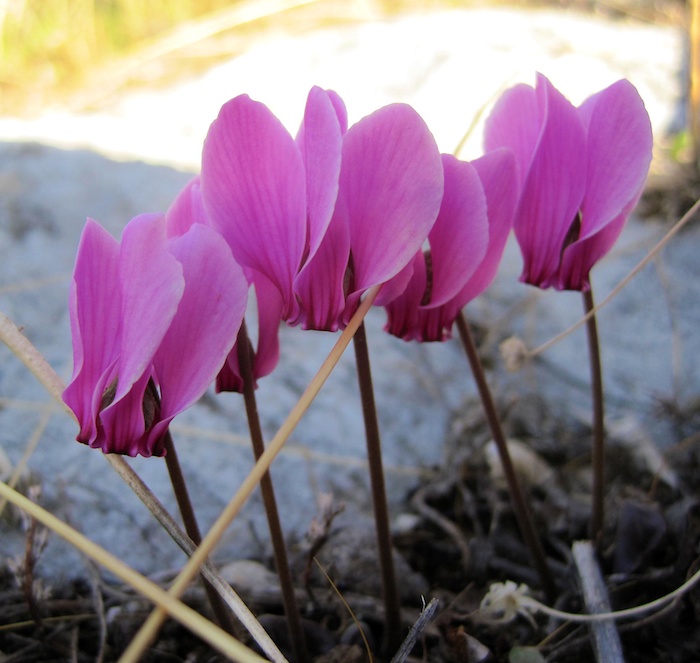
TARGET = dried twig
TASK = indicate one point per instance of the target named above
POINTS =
(422, 622)
(606, 640)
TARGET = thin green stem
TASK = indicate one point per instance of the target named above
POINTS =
(392, 606)
(177, 479)
(291, 608)
(522, 512)
(598, 449)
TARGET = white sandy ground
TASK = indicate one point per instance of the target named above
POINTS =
(135, 155)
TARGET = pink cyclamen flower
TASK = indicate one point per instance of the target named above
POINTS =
(327, 215)
(466, 246)
(582, 172)
(152, 318)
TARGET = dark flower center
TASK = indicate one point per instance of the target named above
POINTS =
(428, 278)
(573, 234)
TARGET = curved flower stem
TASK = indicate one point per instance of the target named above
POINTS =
(598, 450)
(392, 607)
(522, 511)
(291, 608)
(182, 496)
(150, 627)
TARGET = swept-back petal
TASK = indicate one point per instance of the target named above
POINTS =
(187, 209)
(552, 189)
(459, 238)
(94, 307)
(618, 155)
(206, 324)
(340, 110)
(515, 122)
(436, 323)
(403, 311)
(320, 285)
(122, 426)
(254, 191)
(391, 186)
(412, 322)
(498, 173)
(579, 257)
(320, 141)
(269, 307)
(152, 284)
(396, 285)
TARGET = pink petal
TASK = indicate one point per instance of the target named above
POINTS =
(269, 318)
(553, 187)
(515, 122)
(95, 307)
(579, 257)
(459, 238)
(498, 173)
(618, 155)
(396, 285)
(152, 286)
(320, 142)
(254, 191)
(340, 110)
(207, 321)
(391, 185)
(403, 311)
(269, 311)
(412, 322)
(229, 377)
(188, 208)
(436, 323)
(320, 285)
(123, 428)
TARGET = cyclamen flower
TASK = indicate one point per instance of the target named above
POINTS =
(152, 318)
(326, 216)
(466, 245)
(582, 172)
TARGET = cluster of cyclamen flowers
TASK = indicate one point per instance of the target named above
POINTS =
(312, 222)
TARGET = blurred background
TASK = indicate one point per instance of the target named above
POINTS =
(79, 51)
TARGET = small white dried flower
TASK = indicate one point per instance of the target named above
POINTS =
(505, 601)
(514, 353)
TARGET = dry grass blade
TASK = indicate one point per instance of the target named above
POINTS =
(349, 609)
(217, 638)
(32, 443)
(154, 622)
(239, 608)
(12, 336)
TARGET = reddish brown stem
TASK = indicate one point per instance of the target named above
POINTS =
(598, 448)
(291, 608)
(522, 512)
(392, 606)
(177, 479)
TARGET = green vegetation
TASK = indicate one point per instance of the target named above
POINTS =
(49, 44)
